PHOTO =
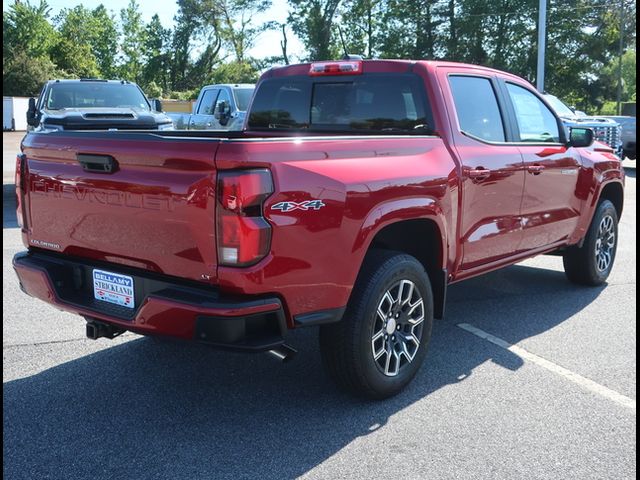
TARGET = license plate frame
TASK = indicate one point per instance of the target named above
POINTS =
(113, 288)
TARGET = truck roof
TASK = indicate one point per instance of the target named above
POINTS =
(77, 80)
(302, 68)
(232, 85)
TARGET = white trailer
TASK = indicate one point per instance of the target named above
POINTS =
(14, 113)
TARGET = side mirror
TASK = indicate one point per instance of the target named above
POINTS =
(580, 137)
(32, 114)
(223, 112)
(156, 104)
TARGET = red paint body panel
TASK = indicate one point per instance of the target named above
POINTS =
(157, 212)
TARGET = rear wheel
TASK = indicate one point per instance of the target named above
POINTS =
(591, 263)
(378, 347)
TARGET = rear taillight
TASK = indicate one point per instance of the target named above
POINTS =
(19, 178)
(335, 68)
(243, 235)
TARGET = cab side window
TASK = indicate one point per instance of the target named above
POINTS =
(477, 108)
(536, 123)
(222, 98)
(208, 102)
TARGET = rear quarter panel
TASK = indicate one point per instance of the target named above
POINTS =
(364, 183)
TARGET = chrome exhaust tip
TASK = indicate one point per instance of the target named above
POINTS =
(284, 353)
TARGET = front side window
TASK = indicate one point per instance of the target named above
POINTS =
(369, 104)
(208, 102)
(536, 123)
(477, 108)
(222, 98)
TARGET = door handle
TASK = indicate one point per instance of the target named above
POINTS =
(535, 169)
(208, 124)
(479, 173)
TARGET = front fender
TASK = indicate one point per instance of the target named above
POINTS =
(602, 169)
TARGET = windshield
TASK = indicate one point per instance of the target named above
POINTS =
(561, 109)
(242, 96)
(373, 103)
(94, 95)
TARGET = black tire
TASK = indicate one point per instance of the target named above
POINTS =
(347, 347)
(584, 265)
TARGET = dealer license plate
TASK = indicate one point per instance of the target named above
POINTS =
(113, 288)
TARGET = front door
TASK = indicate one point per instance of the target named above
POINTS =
(550, 206)
(204, 119)
(492, 173)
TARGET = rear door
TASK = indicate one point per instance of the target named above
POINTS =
(154, 209)
(492, 170)
(203, 118)
(550, 207)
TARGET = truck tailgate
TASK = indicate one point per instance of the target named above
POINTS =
(154, 211)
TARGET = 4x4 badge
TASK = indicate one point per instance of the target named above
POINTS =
(291, 206)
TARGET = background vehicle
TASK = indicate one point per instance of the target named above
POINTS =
(606, 130)
(13, 111)
(89, 104)
(218, 107)
(358, 192)
(628, 125)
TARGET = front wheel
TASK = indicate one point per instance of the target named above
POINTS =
(381, 342)
(591, 263)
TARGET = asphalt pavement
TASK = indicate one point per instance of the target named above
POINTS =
(142, 408)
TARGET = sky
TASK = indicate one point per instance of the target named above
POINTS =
(267, 45)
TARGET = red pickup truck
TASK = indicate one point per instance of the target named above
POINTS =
(357, 191)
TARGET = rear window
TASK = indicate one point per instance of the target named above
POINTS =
(367, 104)
(242, 96)
(94, 95)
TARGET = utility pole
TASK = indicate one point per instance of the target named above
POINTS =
(620, 52)
(542, 40)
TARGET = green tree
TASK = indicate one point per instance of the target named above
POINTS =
(104, 41)
(24, 74)
(197, 21)
(313, 21)
(76, 59)
(234, 72)
(26, 29)
(74, 53)
(156, 54)
(362, 22)
(237, 26)
(132, 41)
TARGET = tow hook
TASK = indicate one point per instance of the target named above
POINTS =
(96, 329)
(283, 353)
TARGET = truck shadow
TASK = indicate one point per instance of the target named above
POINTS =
(9, 219)
(156, 409)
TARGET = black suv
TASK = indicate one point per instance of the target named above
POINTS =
(90, 104)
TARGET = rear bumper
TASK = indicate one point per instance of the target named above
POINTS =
(164, 305)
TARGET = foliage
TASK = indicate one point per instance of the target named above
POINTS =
(210, 41)
(234, 72)
(132, 41)
(26, 28)
(153, 90)
(313, 21)
(24, 75)
(156, 55)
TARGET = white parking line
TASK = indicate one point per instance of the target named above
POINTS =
(552, 367)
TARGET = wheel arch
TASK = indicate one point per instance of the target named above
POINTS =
(614, 192)
(418, 229)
